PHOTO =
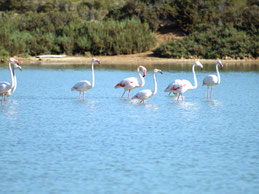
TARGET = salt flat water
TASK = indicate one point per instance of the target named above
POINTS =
(52, 142)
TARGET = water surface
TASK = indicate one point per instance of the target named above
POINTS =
(52, 142)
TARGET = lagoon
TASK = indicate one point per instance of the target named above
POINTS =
(52, 142)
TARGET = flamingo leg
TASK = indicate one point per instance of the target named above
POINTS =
(2, 99)
(211, 92)
(208, 88)
(79, 95)
(178, 97)
(83, 95)
(123, 93)
(129, 94)
(182, 98)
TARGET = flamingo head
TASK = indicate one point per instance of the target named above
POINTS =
(158, 71)
(16, 66)
(220, 64)
(143, 69)
(13, 60)
(96, 60)
(198, 63)
(16, 63)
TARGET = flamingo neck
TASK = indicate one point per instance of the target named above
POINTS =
(15, 82)
(141, 78)
(11, 73)
(155, 85)
(217, 70)
(194, 78)
(93, 74)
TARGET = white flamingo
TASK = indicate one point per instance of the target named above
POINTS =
(146, 94)
(7, 89)
(132, 82)
(85, 85)
(181, 86)
(212, 80)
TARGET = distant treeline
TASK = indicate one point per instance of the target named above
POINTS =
(212, 28)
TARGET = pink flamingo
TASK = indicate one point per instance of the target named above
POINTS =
(7, 89)
(132, 82)
(146, 94)
(181, 86)
(85, 85)
(212, 80)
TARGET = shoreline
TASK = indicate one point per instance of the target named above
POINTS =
(133, 59)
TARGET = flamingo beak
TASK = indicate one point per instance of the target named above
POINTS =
(144, 73)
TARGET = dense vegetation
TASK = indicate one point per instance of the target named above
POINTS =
(212, 28)
(215, 43)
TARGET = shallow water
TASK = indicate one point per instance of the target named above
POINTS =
(52, 142)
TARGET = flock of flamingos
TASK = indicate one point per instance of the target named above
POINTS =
(177, 87)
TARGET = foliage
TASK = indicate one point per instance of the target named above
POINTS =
(112, 27)
(59, 32)
(215, 43)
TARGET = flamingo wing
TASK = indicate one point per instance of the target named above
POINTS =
(169, 87)
(82, 86)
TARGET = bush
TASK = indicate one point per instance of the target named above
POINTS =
(211, 44)
(58, 33)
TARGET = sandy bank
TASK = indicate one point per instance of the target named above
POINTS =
(135, 59)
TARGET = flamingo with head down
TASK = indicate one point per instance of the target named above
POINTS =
(146, 94)
(132, 82)
(212, 80)
(85, 85)
(181, 86)
(7, 89)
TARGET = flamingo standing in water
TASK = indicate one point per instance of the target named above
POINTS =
(132, 82)
(146, 94)
(181, 86)
(211, 80)
(7, 89)
(85, 85)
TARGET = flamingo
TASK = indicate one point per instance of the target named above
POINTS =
(85, 85)
(7, 89)
(181, 86)
(146, 94)
(132, 82)
(211, 80)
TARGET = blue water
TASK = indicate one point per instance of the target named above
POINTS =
(52, 142)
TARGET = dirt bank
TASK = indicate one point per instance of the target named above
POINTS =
(135, 59)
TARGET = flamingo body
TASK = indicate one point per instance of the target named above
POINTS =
(210, 80)
(82, 86)
(178, 87)
(132, 82)
(144, 94)
(128, 83)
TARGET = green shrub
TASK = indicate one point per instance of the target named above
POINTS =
(211, 44)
